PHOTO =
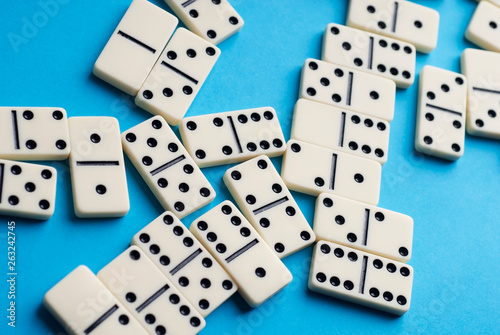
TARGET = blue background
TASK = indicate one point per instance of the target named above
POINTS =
(454, 205)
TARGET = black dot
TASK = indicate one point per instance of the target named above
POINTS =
(277, 143)
(221, 248)
(401, 300)
(123, 319)
(395, 46)
(346, 46)
(30, 144)
(268, 115)
(378, 264)
(348, 285)
(260, 272)
(174, 299)
(211, 34)
(164, 260)
(264, 145)
(391, 267)
(135, 255)
(479, 123)
(339, 253)
(374, 292)
(178, 231)
(193, 13)
(403, 251)
(202, 225)
(319, 181)
(218, 122)
(130, 297)
(406, 74)
(162, 182)
(459, 80)
(233, 20)
(46, 174)
(156, 124)
(353, 145)
(171, 55)
(144, 238)
(445, 88)
(358, 62)
(251, 146)
(236, 175)
(172, 147)
(30, 187)
(179, 206)
(492, 113)
(187, 90)
(227, 285)
(368, 123)
(313, 65)
(455, 147)
(150, 318)
(262, 164)
(334, 30)
(379, 216)
(295, 147)
(264, 222)
(279, 247)
(160, 330)
(245, 232)
(336, 97)
(407, 49)
(353, 257)
(205, 192)
(154, 249)
(183, 187)
(168, 219)
(339, 73)
(418, 24)
(324, 81)
(325, 248)
(334, 281)
(381, 25)
(358, 178)
(382, 43)
(44, 204)
(28, 115)
(226, 150)
(203, 303)
(381, 68)
(183, 281)
(147, 94)
(16, 169)
(151, 142)
(100, 189)
(355, 119)
(379, 152)
(276, 188)
(146, 160)
(57, 115)
(321, 277)
(212, 237)
(311, 91)
(305, 235)
(130, 137)
(428, 140)
(13, 200)
(226, 209)
(374, 95)
(339, 219)
(255, 117)
(388, 296)
(394, 71)
(351, 237)
(167, 92)
(381, 126)
(370, 9)
(207, 262)
(194, 321)
(61, 144)
(250, 199)
(200, 154)
(327, 202)
(429, 116)
(210, 51)
(493, 24)
(191, 53)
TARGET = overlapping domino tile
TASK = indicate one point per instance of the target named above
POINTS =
(231, 137)
(360, 277)
(403, 20)
(484, 27)
(347, 88)
(166, 166)
(372, 53)
(213, 20)
(312, 169)
(361, 226)
(185, 262)
(34, 133)
(265, 201)
(341, 129)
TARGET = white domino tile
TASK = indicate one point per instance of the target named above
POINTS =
(484, 27)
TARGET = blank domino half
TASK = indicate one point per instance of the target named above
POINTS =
(265, 201)
(442, 101)
(312, 169)
(34, 133)
(232, 240)
(372, 53)
(347, 88)
(135, 45)
(340, 129)
(27, 190)
(213, 20)
(364, 227)
(97, 168)
(403, 20)
(84, 306)
(362, 278)
(484, 27)
(483, 103)
(166, 166)
(231, 137)
(185, 262)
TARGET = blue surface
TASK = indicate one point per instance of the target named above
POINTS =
(454, 205)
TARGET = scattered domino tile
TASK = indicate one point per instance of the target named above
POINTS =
(232, 240)
(265, 201)
(185, 262)
(167, 168)
(340, 129)
(403, 20)
(483, 92)
(149, 296)
(312, 169)
(27, 190)
(97, 168)
(177, 76)
(231, 137)
(135, 45)
(347, 88)
(362, 278)
(495, 2)
(442, 102)
(83, 305)
(372, 53)
(364, 227)
(213, 20)
(24, 135)
(484, 27)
